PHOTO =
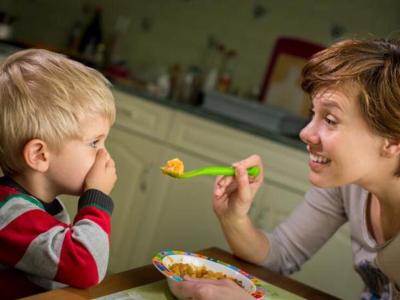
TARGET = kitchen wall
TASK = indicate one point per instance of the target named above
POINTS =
(163, 32)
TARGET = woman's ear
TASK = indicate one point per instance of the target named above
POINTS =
(36, 155)
(391, 148)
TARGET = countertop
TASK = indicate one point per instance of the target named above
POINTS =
(202, 112)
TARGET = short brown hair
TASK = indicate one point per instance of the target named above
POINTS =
(45, 95)
(373, 67)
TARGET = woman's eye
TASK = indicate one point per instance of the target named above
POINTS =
(330, 120)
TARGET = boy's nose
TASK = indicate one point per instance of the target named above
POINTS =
(106, 151)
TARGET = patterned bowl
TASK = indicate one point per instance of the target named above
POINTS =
(164, 259)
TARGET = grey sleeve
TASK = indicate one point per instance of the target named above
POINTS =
(305, 231)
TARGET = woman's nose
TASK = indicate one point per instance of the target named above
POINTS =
(309, 134)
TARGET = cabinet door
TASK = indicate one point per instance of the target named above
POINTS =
(273, 203)
(136, 160)
(184, 218)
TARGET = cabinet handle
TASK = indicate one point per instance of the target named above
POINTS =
(144, 179)
(126, 112)
(143, 185)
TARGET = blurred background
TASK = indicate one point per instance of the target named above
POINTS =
(209, 81)
(229, 43)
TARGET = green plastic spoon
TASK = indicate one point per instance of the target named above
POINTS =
(210, 171)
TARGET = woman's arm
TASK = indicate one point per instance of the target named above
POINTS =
(245, 240)
(306, 230)
(232, 200)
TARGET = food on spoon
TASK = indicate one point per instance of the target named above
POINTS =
(193, 271)
(174, 166)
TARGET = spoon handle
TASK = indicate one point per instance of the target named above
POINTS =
(217, 171)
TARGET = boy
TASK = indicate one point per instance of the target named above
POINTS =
(55, 116)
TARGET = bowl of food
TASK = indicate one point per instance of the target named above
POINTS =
(175, 264)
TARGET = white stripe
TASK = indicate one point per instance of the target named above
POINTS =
(95, 239)
(43, 254)
(13, 209)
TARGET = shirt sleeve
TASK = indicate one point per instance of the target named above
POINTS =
(306, 230)
(35, 242)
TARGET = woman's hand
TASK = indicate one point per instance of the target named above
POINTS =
(208, 289)
(233, 195)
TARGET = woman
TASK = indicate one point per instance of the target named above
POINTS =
(353, 140)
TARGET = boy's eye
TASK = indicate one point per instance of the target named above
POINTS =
(93, 144)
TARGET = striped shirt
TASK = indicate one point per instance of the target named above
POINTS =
(41, 249)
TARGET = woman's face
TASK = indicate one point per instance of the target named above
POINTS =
(342, 148)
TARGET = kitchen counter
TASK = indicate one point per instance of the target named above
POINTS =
(203, 112)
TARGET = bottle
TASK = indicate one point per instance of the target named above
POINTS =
(211, 66)
(92, 36)
(75, 36)
(176, 79)
(191, 85)
(225, 78)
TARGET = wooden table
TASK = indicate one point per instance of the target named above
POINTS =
(148, 274)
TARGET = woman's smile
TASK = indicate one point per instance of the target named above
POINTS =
(318, 162)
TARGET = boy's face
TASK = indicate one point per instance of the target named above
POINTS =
(69, 167)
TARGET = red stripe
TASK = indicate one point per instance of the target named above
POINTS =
(19, 233)
(6, 191)
(97, 215)
(77, 267)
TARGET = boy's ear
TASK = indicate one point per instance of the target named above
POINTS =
(36, 155)
(391, 147)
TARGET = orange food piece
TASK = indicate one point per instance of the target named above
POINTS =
(174, 166)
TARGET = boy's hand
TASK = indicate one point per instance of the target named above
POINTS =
(102, 176)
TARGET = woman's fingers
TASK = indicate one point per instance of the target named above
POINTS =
(221, 184)
(209, 289)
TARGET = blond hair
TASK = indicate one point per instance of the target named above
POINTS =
(45, 95)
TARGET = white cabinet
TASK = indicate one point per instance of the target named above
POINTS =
(184, 218)
(136, 159)
(152, 211)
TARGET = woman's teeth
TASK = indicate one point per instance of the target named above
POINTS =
(319, 159)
